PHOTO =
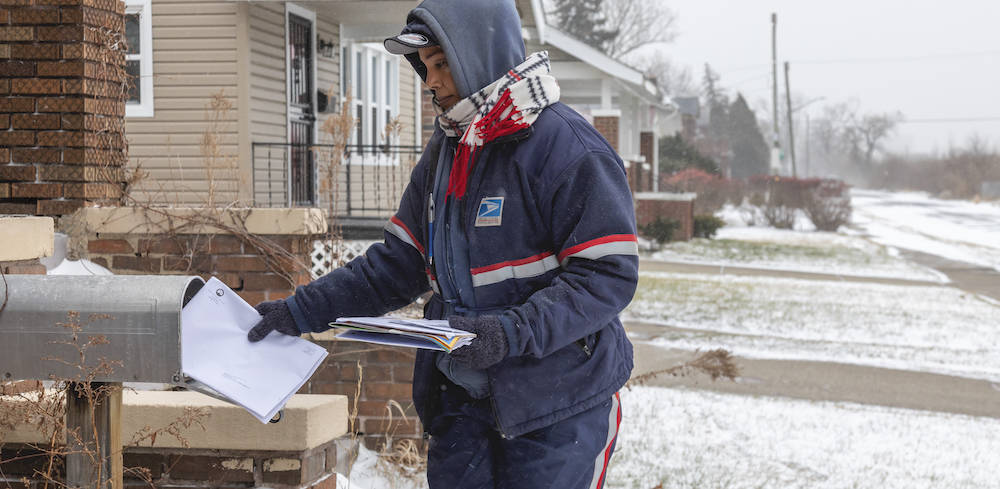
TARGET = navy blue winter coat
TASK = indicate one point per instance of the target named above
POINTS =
(544, 237)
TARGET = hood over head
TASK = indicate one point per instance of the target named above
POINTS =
(481, 39)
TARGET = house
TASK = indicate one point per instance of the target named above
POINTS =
(623, 105)
(265, 76)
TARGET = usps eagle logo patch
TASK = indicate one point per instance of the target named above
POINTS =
(490, 212)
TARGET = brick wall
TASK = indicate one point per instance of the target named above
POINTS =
(175, 468)
(387, 375)
(608, 127)
(62, 111)
(226, 257)
(647, 210)
(23, 267)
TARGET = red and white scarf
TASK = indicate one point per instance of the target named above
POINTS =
(504, 107)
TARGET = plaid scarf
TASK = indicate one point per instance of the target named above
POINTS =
(504, 107)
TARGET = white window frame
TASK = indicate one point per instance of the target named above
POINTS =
(145, 10)
(369, 79)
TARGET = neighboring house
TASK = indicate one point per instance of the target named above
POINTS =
(274, 64)
(622, 104)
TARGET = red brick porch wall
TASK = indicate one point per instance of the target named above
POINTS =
(647, 210)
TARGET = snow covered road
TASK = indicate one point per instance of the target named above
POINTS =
(954, 229)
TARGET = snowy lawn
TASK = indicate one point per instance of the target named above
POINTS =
(955, 229)
(921, 328)
(815, 252)
(803, 250)
(677, 438)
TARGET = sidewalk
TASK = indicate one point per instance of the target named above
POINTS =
(676, 267)
(822, 381)
(970, 278)
(826, 381)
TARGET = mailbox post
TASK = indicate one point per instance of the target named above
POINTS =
(140, 316)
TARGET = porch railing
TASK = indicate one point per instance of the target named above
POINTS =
(368, 183)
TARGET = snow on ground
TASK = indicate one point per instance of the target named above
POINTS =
(79, 267)
(697, 439)
(954, 229)
(802, 250)
(921, 328)
(370, 472)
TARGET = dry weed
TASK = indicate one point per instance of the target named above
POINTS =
(45, 409)
(337, 130)
(716, 363)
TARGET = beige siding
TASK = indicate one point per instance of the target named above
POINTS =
(194, 57)
(268, 105)
(327, 69)
(407, 107)
(268, 100)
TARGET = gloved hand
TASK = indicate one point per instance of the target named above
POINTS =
(277, 317)
(488, 347)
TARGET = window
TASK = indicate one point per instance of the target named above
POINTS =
(139, 58)
(371, 67)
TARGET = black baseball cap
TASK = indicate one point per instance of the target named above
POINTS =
(415, 35)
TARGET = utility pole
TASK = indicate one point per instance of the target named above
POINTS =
(791, 127)
(805, 174)
(776, 149)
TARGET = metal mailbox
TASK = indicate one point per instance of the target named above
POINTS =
(140, 315)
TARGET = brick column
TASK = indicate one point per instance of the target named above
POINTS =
(62, 114)
(646, 142)
(608, 127)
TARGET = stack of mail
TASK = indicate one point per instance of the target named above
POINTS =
(429, 334)
(259, 377)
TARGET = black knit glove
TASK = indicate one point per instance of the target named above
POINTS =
(487, 348)
(277, 317)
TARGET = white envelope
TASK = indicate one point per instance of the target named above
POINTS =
(260, 376)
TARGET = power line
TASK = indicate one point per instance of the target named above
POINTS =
(899, 59)
(964, 119)
(896, 59)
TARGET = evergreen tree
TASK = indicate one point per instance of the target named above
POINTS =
(584, 20)
(676, 155)
(750, 153)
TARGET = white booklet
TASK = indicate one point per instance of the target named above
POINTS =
(260, 377)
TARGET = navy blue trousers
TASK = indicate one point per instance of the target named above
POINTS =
(468, 451)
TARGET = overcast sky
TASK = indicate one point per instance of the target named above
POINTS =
(929, 60)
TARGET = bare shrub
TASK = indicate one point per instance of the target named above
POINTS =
(712, 189)
(775, 201)
(828, 204)
(957, 174)
(45, 410)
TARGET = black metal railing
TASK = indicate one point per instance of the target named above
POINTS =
(368, 182)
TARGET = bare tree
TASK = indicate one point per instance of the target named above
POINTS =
(671, 79)
(867, 134)
(636, 23)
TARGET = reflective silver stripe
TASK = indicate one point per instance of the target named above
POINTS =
(601, 463)
(605, 249)
(525, 270)
(401, 233)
